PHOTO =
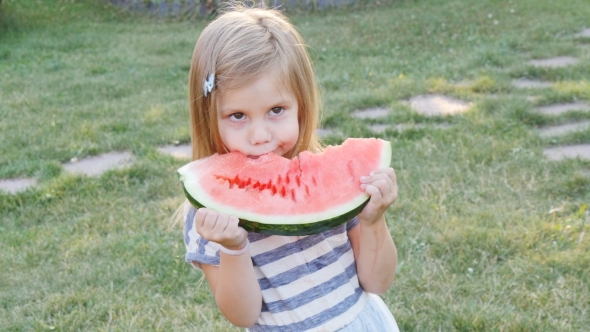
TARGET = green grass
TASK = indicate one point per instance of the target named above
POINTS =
(478, 248)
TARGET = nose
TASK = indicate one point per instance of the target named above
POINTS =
(259, 133)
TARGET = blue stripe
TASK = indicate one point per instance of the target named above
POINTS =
(315, 320)
(294, 247)
(299, 271)
(351, 223)
(312, 293)
(254, 237)
(188, 223)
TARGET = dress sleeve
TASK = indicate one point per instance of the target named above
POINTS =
(351, 223)
(198, 250)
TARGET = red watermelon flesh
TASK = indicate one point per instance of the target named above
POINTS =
(278, 191)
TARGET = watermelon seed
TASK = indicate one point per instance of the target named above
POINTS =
(306, 190)
(283, 192)
(298, 180)
(287, 179)
(293, 195)
(279, 180)
(314, 181)
(274, 190)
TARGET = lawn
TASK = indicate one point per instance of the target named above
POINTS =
(491, 235)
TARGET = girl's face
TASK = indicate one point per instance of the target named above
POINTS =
(258, 118)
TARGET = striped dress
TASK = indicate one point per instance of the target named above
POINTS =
(308, 283)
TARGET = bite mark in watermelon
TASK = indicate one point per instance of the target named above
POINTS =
(305, 195)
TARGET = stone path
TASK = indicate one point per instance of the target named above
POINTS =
(557, 153)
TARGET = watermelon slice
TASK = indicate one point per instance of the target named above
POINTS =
(305, 195)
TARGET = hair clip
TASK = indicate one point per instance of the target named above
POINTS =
(209, 83)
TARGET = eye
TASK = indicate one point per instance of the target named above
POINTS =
(237, 116)
(276, 111)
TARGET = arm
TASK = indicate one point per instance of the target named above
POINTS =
(374, 251)
(234, 283)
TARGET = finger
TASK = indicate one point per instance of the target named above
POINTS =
(381, 181)
(385, 173)
(210, 220)
(234, 230)
(374, 192)
(221, 224)
(199, 218)
(388, 170)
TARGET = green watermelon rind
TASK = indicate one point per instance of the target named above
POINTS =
(293, 225)
(291, 229)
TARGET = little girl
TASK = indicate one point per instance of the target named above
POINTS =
(252, 90)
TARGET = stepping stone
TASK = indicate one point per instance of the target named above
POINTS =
(557, 109)
(432, 105)
(325, 132)
(371, 113)
(557, 62)
(184, 151)
(379, 128)
(524, 83)
(94, 166)
(13, 186)
(403, 127)
(581, 151)
(583, 34)
(564, 129)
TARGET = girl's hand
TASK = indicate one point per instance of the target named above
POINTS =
(220, 228)
(381, 185)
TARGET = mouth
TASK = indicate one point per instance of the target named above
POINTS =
(260, 155)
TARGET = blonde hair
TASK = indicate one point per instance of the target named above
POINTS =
(238, 47)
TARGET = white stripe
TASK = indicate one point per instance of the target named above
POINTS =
(293, 260)
(192, 245)
(308, 310)
(345, 318)
(271, 243)
(309, 281)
